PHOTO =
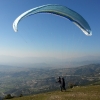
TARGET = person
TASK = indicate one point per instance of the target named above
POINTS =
(59, 81)
(63, 84)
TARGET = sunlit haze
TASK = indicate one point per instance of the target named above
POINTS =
(47, 37)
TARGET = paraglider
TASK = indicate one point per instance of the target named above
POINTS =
(60, 10)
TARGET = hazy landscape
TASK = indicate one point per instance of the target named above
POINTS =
(41, 40)
(33, 80)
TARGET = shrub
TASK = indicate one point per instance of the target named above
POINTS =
(20, 95)
(71, 85)
(8, 96)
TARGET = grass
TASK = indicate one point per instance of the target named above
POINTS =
(77, 93)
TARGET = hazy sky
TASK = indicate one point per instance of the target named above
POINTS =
(48, 35)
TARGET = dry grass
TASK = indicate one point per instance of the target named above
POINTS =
(77, 93)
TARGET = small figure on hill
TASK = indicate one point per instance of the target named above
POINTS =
(63, 84)
(61, 81)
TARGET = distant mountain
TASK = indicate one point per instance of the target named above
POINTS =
(91, 69)
(48, 61)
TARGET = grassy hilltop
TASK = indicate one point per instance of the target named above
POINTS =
(78, 93)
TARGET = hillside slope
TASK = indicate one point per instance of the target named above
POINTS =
(29, 81)
(77, 93)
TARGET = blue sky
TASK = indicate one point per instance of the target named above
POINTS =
(47, 35)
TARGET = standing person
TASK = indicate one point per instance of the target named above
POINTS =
(59, 81)
(63, 84)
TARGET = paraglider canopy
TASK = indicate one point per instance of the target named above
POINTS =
(60, 10)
